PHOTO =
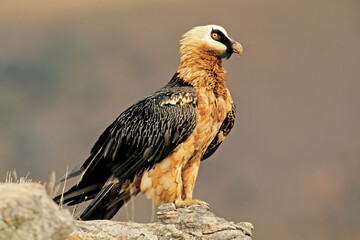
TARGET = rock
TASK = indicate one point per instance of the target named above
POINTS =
(27, 212)
(194, 222)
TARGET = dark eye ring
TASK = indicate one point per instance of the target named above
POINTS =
(215, 36)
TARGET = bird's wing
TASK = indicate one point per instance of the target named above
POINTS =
(141, 136)
(146, 132)
(224, 130)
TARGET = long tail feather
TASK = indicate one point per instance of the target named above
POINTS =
(77, 195)
(110, 199)
(76, 171)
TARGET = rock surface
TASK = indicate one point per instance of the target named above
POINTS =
(27, 212)
(194, 222)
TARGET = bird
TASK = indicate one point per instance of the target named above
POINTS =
(156, 145)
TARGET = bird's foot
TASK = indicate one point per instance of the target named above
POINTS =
(180, 203)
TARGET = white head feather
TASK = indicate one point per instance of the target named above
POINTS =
(202, 35)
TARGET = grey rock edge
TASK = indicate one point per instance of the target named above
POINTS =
(27, 212)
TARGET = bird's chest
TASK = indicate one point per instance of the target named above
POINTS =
(210, 108)
(211, 112)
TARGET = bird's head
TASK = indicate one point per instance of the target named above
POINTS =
(210, 39)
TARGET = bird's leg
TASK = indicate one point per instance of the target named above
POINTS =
(189, 174)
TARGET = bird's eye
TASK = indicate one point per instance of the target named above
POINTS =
(215, 36)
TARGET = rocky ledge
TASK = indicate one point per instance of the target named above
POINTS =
(27, 212)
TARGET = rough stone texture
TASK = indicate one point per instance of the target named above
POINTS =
(27, 212)
(194, 222)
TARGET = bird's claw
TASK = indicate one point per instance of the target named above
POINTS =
(188, 202)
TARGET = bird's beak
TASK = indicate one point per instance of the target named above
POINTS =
(237, 48)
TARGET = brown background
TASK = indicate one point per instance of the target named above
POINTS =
(291, 164)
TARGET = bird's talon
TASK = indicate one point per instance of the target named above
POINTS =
(190, 202)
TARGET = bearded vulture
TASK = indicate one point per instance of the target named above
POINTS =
(156, 145)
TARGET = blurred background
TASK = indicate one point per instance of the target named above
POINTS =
(291, 164)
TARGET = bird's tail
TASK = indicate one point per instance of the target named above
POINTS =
(110, 199)
(78, 194)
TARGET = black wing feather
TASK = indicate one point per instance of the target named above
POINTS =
(141, 136)
(225, 129)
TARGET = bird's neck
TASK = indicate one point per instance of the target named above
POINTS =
(203, 69)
